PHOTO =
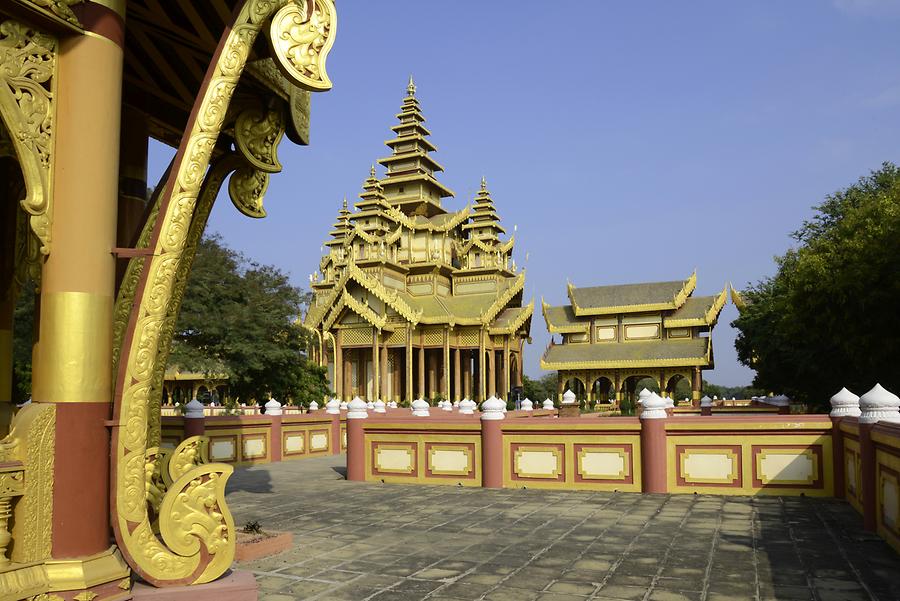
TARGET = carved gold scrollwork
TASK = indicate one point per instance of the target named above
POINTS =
(196, 531)
(246, 190)
(60, 8)
(190, 453)
(257, 133)
(154, 468)
(27, 67)
(301, 42)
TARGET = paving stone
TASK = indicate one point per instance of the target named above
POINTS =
(511, 594)
(661, 594)
(356, 541)
(574, 588)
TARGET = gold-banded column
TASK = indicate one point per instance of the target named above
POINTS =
(505, 381)
(338, 373)
(421, 390)
(467, 374)
(481, 365)
(445, 372)
(384, 374)
(73, 359)
(409, 366)
(492, 374)
(697, 384)
(347, 374)
(432, 375)
(376, 367)
(456, 381)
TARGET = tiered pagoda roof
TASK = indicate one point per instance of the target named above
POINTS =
(670, 326)
(411, 243)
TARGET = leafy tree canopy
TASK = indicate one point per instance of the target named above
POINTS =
(540, 389)
(828, 318)
(242, 318)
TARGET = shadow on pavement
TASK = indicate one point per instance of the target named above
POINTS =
(250, 480)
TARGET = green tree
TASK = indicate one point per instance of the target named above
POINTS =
(23, 341)
(539, 389)
(828, 318)
(242, 317)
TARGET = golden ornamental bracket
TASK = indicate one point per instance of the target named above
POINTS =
(27, 108)
(196, 539)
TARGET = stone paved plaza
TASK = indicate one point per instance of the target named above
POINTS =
(356, 541)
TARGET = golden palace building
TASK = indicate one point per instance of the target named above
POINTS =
(413, 300)
(615, 336)
(89, 502)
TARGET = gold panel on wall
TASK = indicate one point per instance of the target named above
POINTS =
(356, 336)
(468, 337)
(397, 337)
(433, 336)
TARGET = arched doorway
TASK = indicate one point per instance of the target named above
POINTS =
(602, 389)
(576, 385)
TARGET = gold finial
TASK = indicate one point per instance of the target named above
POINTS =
(483, 184)
(411, 87)
(345, 203)
(372, 171)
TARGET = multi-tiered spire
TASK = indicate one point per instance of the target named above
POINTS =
(410, 179)
(372, 196)
(341, 227)
(485, 222)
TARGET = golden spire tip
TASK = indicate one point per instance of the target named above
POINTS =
(483, 184)
(372, 171)
(345, 202)
(411, 87)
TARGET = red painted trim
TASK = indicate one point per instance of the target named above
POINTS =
(817, 484)
(736, 449)
(513, 447)
(102, 21)
(284, 436)
(470, 446)
(892, 530)
(412, 446)
(626, 448)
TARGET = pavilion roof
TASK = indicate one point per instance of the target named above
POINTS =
(619, 355)
(698, 311)
(562, 319)
(630, 298)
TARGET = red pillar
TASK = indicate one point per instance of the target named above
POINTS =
(356, 442)
(492, 443)
(653, 455)
(837, 457)
(867, 475)
(275, 437)
(336, 433)
(194, 426)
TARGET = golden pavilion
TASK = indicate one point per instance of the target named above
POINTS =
(615, 336)
(413, 300)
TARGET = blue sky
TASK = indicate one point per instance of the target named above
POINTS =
(628, 141)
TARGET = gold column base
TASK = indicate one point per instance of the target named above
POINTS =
(21, 581)
(85, 572)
